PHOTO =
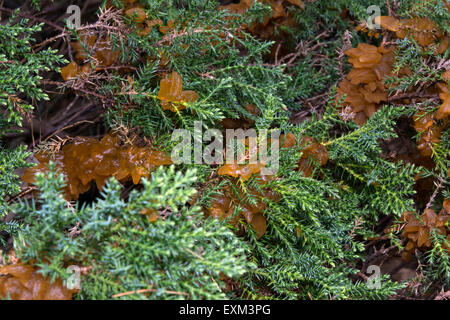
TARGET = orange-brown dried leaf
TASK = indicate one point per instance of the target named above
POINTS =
(138, 15)
(171, 94)
(388, 22)
(70, 71)
(87, 159)
(23, 282)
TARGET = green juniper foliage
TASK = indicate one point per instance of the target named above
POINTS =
(314, 244)
(20, 70)
(180, 256)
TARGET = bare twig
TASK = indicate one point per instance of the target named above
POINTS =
(118, 295)
(24, 15)
(413, 95)
(68, 127)
(435, 192)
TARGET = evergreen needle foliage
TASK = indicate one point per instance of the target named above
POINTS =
(317, 236)
(20, 70)
(180, 256)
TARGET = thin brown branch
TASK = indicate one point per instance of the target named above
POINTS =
(413, 95)
(435, 192)
(118, 295)
(24, 15)
(68, 127)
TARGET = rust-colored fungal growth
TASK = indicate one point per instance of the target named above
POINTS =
(135, 11)
(422, 30)
(430, 125)
(370, 32)
(172, 95)
(24, 282)
(152, 215)
(273, 27)
(99, 48)
(228, 123)
(363, 87)
(418, 231)
(288, 140)
(430, 132)
(423, 186)
(244, 171)
(88, 159)
(280, 15)
(137, 14)
(89, 44)
(224, 206)
(444, 110)
(70, 71)
(313, 152)
(170, 26)
(146, 27)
